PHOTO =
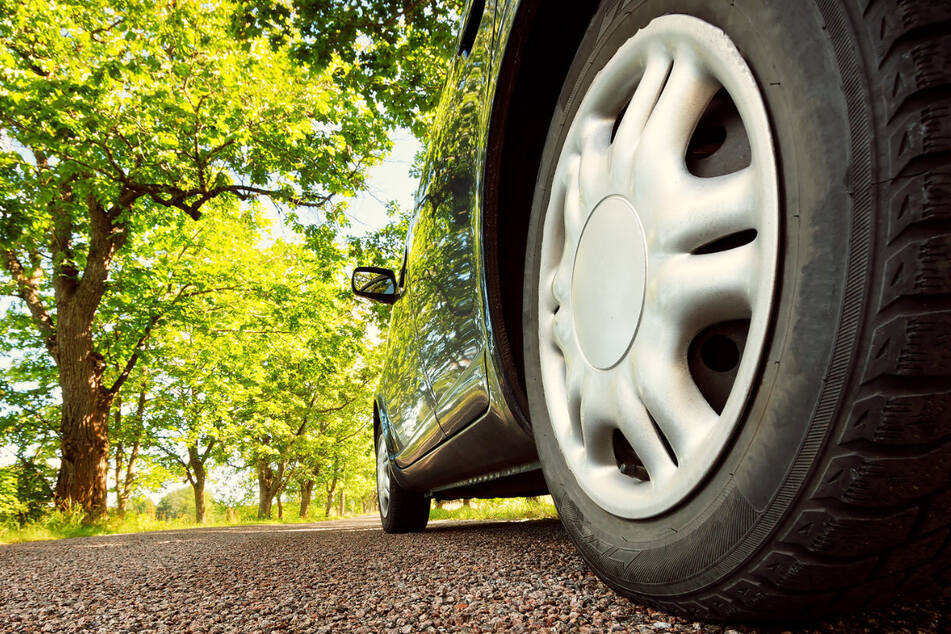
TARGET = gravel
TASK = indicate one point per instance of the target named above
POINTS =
(343, 576)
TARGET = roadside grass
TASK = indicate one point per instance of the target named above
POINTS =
(496, 509)
(66, 524)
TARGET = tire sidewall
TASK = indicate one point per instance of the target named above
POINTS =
(742, 500)
(376, 447)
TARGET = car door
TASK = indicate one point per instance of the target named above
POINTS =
(408, 402)
(444, 261)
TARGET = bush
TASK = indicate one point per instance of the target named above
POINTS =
(25, 494)
(11, 508)
(180, 503)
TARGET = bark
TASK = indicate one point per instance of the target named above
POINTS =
(84, 422)
(198, 477)
(270, 484)
(341, 502)
(199, 488)
(84, 445)
(330, 496)
(264, 497)
(306, 491)
(280, 507)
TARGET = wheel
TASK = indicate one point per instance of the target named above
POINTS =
(401, 511)
(738, 303)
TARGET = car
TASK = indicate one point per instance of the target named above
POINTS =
(686, 266)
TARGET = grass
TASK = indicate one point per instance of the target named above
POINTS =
(63, 525)
(496, 509)
(66, 524)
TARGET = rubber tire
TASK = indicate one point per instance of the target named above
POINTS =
(834, 493)
(408, 511)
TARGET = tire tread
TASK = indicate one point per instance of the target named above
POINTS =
(877, 515)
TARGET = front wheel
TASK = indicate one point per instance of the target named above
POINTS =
(401, 511)
(737, 288)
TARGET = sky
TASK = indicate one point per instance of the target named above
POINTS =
(388, 181)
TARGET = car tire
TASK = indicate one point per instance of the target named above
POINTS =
(401, 511)
(830, 490)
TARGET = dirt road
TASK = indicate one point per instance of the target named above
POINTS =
(341, 576)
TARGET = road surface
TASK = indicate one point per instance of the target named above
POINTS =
(342, 576)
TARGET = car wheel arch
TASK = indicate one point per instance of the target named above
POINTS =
(542, 44)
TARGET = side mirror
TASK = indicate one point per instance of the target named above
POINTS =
(375, 283)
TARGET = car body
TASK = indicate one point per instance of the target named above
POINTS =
(721, 227)
(448, 402)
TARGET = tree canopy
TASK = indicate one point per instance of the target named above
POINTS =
(147, 150)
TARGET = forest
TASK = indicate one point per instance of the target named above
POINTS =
(175, 248)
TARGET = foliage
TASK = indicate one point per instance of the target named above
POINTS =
(144, 507)
(162, 323)
(126, 122)
(176, 504)
(10, 505)
(396, 50)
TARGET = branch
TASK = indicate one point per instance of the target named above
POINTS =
(179, 460)
(335, 408)
(349, 436)
(105, 238)
(171, 196)
(211, 445)
(152, 322)
(134, 357)
(35, 68)
(94, 33)
(28, 291)
(255, 332)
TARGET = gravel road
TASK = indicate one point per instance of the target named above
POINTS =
(342, 576)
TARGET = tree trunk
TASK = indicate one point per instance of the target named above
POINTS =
(270, 484)
(265, 478)
(330, 496)
(280, 507)
(198, 479)
(342, 502)
(199, 489)
(129, 478)
(306, 490)
(120, 458)
(84, 431)
(84, 421)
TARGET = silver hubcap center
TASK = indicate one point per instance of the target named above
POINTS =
(608, 281)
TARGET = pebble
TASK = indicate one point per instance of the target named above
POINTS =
(345, 576)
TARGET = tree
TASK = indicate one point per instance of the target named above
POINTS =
(176, 504)
(127, 438)
(126, 122)
(311, 373)
(398, 49)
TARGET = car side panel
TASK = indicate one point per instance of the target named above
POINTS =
(495, 440)
(405, 395)
(445, 260)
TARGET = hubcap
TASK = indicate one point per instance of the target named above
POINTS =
(382, 476)
(607, 282)
(658, 264)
